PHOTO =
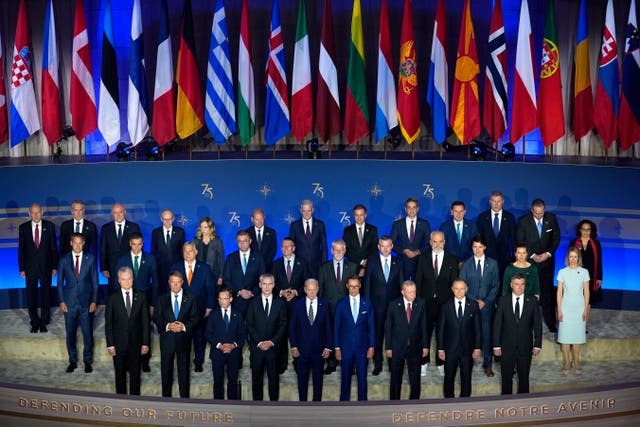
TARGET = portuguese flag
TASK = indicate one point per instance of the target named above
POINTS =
(356, 111)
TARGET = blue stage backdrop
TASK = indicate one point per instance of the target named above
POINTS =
(229, 190)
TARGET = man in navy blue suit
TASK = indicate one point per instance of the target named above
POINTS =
(481, 274)
(114, 241)
(226, 332)
(458, 232)
(311, 339)
(263, 238)
(199, 282)
(382, 283)
(354, 338)
(498, 227)
(310, 237)
(78, 294)
(79, 224)
(241, 272)
(361, 239)
(166, 247)
(410, 237)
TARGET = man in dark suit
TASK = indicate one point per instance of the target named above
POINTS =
(310, 335)
(126, 329)
(436, 271)
(114, 241)
(199, 282)
(459, 338)
(226, 332)
(410, 235)
(166, 247)
(332, 278)
(266, 323)
(539, 232)
(406, 339)
(481, 274)
(361, 239)
(241, 273)
(78, 294)
(517, 335)
(458, 232)
(310, 237)
(37, 262)
(354, 338)
(263, 238)
(79, 224)
(499, 230)
(382, 283)
(175, 317)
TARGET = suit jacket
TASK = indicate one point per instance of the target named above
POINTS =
(456, 337)
(311, 340)
(147, 278)
(485, 287)
(517, 337)
(500, 248)
(380, 291)
(127, 332)
(216, 332)
(110, 248)
(329, 289)
(166, 255)
(266, 328)
(527, 234)
(436, 290)
(269, 245)
(403, 338)
(215, 255)
(172, 342)
(314, 249)
(78, 291)
(355, 252)
(43, 259)
(202, 285)
(89, 231)
(235, 279)
(461, 249)
(299, 273)
(350, 337)
(400, 237)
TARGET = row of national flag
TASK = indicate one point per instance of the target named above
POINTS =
(181, 110)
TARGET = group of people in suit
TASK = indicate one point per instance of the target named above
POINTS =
(376, 296)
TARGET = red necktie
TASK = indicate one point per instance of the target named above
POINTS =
(307, 232)
(289, 271)
(408, 312)
(435, 266)
(412, 232)
(36, 237)
(77, 266)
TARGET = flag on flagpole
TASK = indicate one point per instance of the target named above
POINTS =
(220, 108)
(276, 123)
(607, 103)
(583, 95)
(301, 95)
(4, 129)
(50, 88)
(438, 86)
(495, 84)
(386, 105)
(465, 104)
(629, 118)
(246, 90)
(327, 97)
(524, 112)
(189, 108)
(551, 112)
(356, 117)
(109, 101)
(163, 123)
(408, 109)
(24, 111)
(137, 103)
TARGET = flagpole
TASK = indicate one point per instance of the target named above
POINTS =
(246, 152)
(578, 153)
(329, 147)
(413, 153)
(385, 148)
(162, 153)
(357, 150)
(301, 150)
(190, 147)
(441, 151)
(107, 152)
(524, 143)
(218, 147)
(496, 149)
(468, 151)
(274, 151)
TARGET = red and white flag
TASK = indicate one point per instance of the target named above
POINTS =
(4, 130)
(327, 97)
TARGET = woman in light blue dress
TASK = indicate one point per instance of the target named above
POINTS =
(573, 309)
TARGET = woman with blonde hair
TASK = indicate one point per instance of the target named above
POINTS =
(209, 247)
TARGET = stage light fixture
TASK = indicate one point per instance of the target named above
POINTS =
(67, 132)
(313, 148)
(124, 151)
(150, 148)
(478, 150)
(508, 151)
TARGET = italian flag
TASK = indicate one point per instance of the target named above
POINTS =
(301, 99)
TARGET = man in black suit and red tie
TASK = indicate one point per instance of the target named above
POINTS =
(459, 338)
(361, 239)
(79, 224)
(114, 241)
(410, 237)
(126, 329)
(166, 247)
(263, 238)
(175, 317)
(498, 227)
(517, 335)
(539, 232)
(310, 237)
(37, 263)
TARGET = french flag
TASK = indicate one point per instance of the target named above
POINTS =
(163, 124)
(51, 123)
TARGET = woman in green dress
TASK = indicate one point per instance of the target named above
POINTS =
(524, 267)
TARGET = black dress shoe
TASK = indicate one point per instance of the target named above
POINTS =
(88, 368)
(329, 370)
(198, 368)
(34, 329)
(376, 372)
(145, 367)
(43, 329)
(72, 367)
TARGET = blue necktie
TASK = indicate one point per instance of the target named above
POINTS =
(479, 268)
(244, 263)
(119, 232)
(496, 225)
(176, 308)
(226, 320)
(540, 228)
(354, 311)
(386, 270)
(459, 232)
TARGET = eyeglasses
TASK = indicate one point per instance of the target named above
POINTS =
(353, 286)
